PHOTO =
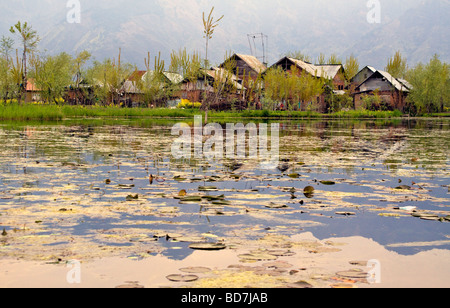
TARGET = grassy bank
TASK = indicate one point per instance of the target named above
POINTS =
(28, 112)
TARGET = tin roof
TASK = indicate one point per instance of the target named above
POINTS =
(398, 84)
(328, 71)
(253, 62)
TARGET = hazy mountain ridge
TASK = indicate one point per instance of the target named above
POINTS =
(418, 28)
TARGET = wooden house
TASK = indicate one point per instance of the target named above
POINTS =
(195, 89)
(333, 72)
(330, 72)
(245, 67)
(131, 90)
(32, 93)
(392, 91)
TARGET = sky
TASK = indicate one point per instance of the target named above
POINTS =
(139, 26)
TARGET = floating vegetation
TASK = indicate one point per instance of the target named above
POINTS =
(92, 190)
(207, 246)
(182, 278)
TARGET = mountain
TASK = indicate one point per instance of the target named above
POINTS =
(418, 28)
(419, 33)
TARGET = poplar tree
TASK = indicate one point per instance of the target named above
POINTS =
(30, 40)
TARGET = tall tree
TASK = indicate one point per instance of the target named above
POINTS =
(108, 78)
(397, 66)
(30, 40)
(209, 25)
(52, 75)
(430, 86)
(351, 67)
(6, 78)
(334, 59)
(6, 45)
(299, 56)
(321, 59)
(79, 62)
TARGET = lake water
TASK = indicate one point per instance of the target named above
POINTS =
(96, 189)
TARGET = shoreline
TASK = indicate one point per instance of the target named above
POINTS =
(30, 112)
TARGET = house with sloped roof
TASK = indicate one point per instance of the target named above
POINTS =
(131, 89)
(194, 90)
(33, 93)
(392, 91)
(332, 72)
(244, 66)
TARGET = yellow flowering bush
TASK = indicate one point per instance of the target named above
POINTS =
(187, 104)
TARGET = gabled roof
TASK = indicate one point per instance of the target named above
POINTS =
(328, 71)
(370, 68)
(130, 84)
(398, 84)
(253, 62)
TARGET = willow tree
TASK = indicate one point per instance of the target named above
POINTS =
(108, 78)
(78, 66)
(30, 40)
(351, 67)
(291, 88)
(209, 25)
(397, 66)
(6, 77)
(52, 74)
(430, 86)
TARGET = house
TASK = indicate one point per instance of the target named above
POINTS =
(244, 66)
(132, 88)
(194, 89)
(392, 91)
(332, 72)
(362, 75)
(33, 93)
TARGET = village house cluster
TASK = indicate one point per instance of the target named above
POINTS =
(244, 75)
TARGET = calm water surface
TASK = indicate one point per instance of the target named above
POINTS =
(83, 188)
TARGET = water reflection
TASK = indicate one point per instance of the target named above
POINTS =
(55, 174)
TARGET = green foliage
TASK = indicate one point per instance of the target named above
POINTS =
(351, 67)
(107, 78)
(299, 56)
(397, 66)
(431, 87)
(52, 75)
(186, 104)
(293, 87)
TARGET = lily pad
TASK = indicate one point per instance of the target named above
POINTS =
(257, 256)
(345, 213)
(207, 246)
(132, 197)
(195, 270)
(308, 191)
(328, 182)
(182, 278)
(404, 187)
(211, 198)
(272, 205)
(191, 199)
(281, 253)
(207, 188)
(425, 215)
(356, 273)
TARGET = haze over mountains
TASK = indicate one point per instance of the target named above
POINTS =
(418, 28)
